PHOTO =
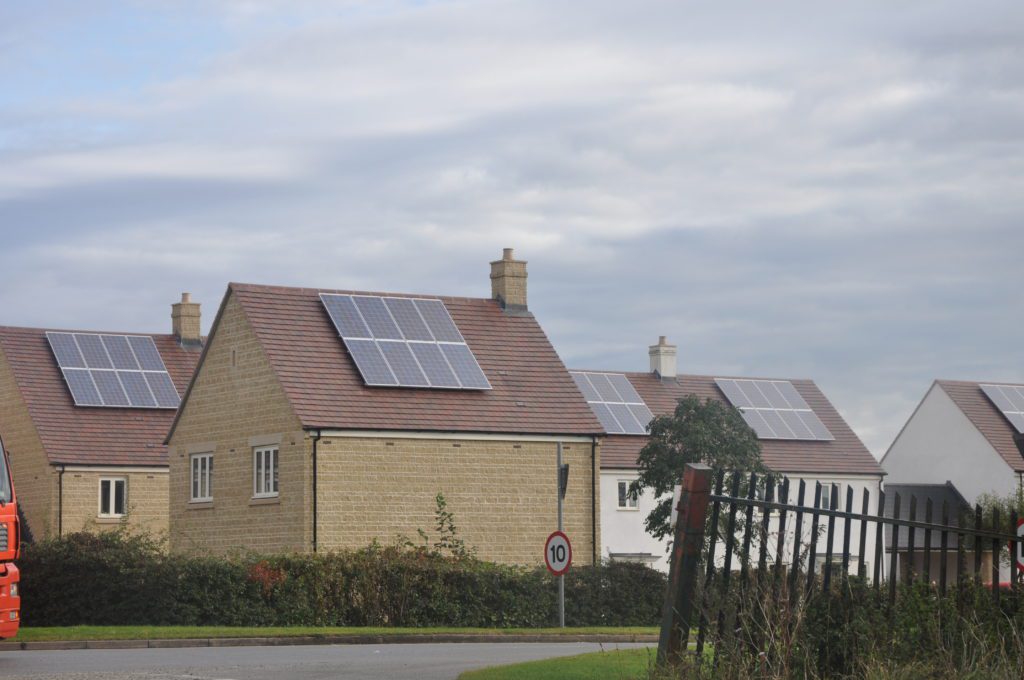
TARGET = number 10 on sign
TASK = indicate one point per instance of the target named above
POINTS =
(558, 553)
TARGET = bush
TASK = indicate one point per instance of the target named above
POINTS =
(118, 578)
(852, 631)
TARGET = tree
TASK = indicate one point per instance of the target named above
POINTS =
(706, 431)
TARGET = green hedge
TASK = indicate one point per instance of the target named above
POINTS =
(113, 578)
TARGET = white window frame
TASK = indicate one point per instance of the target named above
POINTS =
(826, 490)
(632, 503)
(112, 491)
(262, 458)
(205, 465)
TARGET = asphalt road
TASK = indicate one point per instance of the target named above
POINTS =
(334, 662)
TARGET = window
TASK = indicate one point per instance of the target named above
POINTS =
(264, 472)
(112, 496)
(202, 477)
(826, 496)
(627, 501)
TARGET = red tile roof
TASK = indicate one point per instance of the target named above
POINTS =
(532, 392)
(846, 454)
(90, 436)
(989, 420)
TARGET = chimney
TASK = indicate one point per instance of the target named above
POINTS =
(663, 358)
(508, 282)
(185, 321)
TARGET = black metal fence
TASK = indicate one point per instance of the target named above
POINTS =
(768, 534)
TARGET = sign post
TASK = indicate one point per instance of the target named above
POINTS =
(557, 549)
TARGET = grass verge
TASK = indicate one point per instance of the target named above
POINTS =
(74, 633)
(624, 664)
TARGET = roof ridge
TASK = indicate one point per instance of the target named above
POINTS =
(690, 375)
(252, 287)
(83, 331)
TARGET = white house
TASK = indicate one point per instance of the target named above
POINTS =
(966, 432)
(802, 436)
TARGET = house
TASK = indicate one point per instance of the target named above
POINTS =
(333, 419)
(966, 432)
(945, 501)
(802, 436)
(83, 415)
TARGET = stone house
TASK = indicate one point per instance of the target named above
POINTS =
(83, 415)
(332, 419)
(802, 436)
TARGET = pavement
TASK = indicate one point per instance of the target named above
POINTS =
(391, 661)
(349, 639)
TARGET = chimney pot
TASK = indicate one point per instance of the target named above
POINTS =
(508, 282)
(185, 321)
(663, 358)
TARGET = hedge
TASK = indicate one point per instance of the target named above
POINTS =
(120, 579)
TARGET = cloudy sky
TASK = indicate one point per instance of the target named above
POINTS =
(823, 190)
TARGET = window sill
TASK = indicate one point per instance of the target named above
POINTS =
(200, 505)
(628, 509)
(265, 500)
(110, 520)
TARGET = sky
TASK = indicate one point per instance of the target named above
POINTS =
(789, 189)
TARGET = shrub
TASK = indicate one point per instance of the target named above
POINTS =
(119, 578)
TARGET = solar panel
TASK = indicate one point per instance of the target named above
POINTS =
(122, 371)
(83, 389)
(435, 366)
(120, 352)
(464, 364)
(110, 388)
(774, 409)
(1010, 400)
(614, 401)
(137, 389)
(404, 342)
(404, 365)
(163, 389)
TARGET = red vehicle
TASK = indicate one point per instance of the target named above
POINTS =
(10, 550)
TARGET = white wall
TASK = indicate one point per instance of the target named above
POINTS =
(940, 443)
(622, 531)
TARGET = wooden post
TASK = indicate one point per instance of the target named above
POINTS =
(687, 545)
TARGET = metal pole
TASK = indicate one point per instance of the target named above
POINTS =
(558, 492)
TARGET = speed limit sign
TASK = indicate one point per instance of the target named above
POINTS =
(558, 553)
(1020, 544)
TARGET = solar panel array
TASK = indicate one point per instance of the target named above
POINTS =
(614, 401)
(774, 409)
(404, 342)
(122, 371)
(1010, 400)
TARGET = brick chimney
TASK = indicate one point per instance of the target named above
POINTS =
(663, 358)
(508, 282)
(185, 321)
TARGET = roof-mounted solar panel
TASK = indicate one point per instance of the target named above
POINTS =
(1010, 400)
(774, 409)
(404, 342)
(614, 401)
(118, 371)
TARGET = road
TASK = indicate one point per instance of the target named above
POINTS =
(331, 662)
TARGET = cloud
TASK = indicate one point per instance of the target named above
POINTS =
(785, 189)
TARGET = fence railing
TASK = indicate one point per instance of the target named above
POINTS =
(795, 546)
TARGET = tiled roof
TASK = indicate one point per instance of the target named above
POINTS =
(846, 454)
(989, 420)
(532, 392)
(90, 436)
